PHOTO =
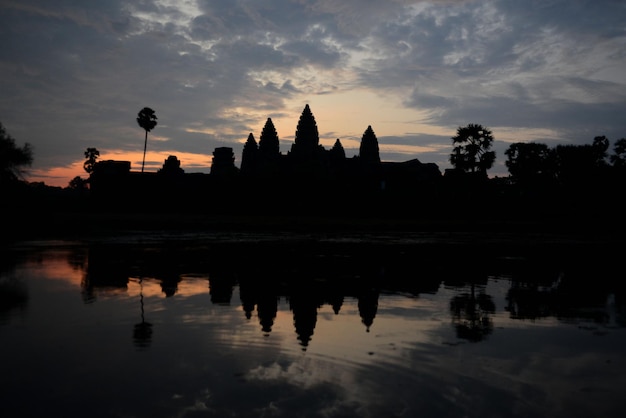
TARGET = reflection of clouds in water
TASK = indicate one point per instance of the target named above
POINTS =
(517, 378)
(565, 383)
(301, 374)
(199, 406)
(322, 389)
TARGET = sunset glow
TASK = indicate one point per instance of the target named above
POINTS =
(413, 71)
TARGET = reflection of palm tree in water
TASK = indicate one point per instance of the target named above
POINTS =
(142, 333)
(470, 314)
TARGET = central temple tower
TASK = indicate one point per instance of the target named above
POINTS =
(306, 145)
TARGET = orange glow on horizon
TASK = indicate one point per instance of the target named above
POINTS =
(152, 287)
(61, 176)
(343, 115)
(57, 176)
(56, 266)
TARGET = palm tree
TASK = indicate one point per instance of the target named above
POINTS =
(472, 153)
(146, 118)
(91, 154)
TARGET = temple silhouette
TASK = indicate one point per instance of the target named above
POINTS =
(306, 176)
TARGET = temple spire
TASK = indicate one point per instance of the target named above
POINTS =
(307, 136)
(368, 151)
(269, 145)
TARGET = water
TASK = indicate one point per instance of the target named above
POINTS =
(247, 326)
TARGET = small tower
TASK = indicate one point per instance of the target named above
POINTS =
(368, 151)
(249, 156)
(223, 164)
(269, 146)
(337, 152)
(171, 167)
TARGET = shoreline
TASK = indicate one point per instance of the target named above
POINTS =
(69, 225)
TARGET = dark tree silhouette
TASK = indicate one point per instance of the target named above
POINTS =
(78, 184)
(600, 148)
(146, 118)
(471, 152)
(618, 158)
(530, 301)
(471, 315)
(91, 154)
(529, 162)
(578, 165)
(13, 158)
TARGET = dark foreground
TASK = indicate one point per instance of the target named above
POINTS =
(35, 224)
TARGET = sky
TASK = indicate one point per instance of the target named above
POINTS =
(74, 74)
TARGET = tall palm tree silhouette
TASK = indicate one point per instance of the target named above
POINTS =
(146, 118)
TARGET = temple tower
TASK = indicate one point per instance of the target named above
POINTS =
(306, 145)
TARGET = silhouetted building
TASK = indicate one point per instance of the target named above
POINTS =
(250, 157)
(109, 176)
(306, 146)
(368, 151)
(307, 177)
(269, 145)
(223, 164)
(337, 153)
(171, 167)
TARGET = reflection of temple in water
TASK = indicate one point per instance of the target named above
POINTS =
(308, 279)
(304, 304)
(368, 306)
(262, 297)
(221, 286)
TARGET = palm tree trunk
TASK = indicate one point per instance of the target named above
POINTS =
(145, 144)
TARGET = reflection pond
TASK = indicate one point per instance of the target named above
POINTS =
(253, 326)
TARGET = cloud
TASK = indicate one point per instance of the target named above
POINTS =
(508, 69)
(74, 75)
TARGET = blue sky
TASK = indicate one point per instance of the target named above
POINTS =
(74, 74)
